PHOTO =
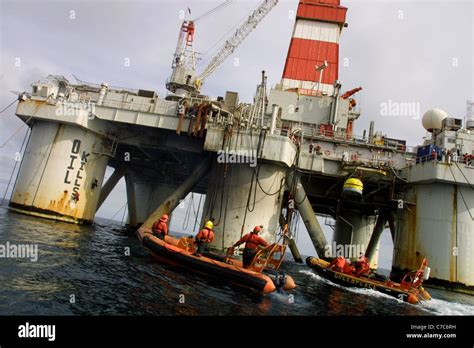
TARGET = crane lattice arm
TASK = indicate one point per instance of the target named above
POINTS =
(231, 44)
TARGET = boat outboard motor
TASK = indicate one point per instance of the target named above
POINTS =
(426, 273)
(280, 280)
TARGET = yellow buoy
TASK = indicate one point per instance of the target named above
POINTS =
(353, 186)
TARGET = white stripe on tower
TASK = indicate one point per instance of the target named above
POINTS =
(315, 39)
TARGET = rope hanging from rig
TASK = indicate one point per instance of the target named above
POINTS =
(187, 213)
(8, 106)
(14, 167)
(254, 174)
(197, 213)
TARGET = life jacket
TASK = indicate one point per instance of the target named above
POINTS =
(348, 268)
(362, 267)
(160, 227)
(205, 236)
(340, 263)
(252, 241)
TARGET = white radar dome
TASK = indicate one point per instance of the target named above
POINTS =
(433, 118)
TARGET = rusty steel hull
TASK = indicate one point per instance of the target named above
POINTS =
(227, 199)
(61, 173)
(436, 224)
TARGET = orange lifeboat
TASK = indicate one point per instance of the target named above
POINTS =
(262, 275)
(408, 290)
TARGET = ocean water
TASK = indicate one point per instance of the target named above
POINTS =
(103, 270)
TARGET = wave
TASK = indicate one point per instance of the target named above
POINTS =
(435, 306)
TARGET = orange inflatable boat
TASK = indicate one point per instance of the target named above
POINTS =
(263, 274)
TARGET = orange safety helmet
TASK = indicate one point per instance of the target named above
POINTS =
(257, 229)
(164, 217)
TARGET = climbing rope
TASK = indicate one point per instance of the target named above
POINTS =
(21, 126)
(247, 207)
(14, 167)
(255, 173)
(282, 184)
(397, 176)
(15, 132)
(187, 214)
(9, 105)
(462, 196)
(118, 211)
(226, 204)
(467, 180)
(222, 187)
(197, 213)
(123, 216)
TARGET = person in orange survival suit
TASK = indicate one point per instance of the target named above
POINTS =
(362, 266)
(337, 264)
(160, 228)
(252, 241)
(349, 268)
(204, 238)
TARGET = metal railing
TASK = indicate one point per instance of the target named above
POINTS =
(315, 132)
(445, 159)
(128, 105)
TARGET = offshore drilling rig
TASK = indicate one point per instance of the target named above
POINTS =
(299, 136)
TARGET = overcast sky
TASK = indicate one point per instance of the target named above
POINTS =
(399, 51)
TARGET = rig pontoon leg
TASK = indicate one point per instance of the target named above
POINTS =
(180, 193)
(375, 238)
(132, 204)
(61, 173)
(353, 232)
(392, 218)
(309, 218)
(109, 185)
(294, 250)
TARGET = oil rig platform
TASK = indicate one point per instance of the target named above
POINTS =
(290, 153)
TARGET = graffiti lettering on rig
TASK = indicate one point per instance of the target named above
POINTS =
(69, 177)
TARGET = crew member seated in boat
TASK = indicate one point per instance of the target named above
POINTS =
(204, 238)
(349, 268)
(337, 264)
(252, 241)
(362, 266)
(160, 228)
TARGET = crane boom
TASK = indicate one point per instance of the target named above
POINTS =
(240, 34)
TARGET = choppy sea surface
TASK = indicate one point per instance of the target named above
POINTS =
(103, 270)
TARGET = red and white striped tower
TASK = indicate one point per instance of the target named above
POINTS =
(315, 40)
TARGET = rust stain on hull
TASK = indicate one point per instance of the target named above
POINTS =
(59, 205)
(48, 214)
(452, 261)
(410, 254)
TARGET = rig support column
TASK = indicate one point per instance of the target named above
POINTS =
(294, 250)
(110, 185)
(353, 231)
(180, 193)
(392, 218)
(437, 226)
(226, 201)
(132, 204)
(309, 218)
(372, 248)
(147, 196)
(61, 173)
